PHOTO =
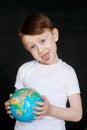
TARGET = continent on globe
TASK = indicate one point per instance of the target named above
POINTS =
(22, 102)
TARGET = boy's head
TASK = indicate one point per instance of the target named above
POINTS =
(35, 24)
(39, 37)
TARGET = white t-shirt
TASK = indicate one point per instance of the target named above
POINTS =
(56, 82)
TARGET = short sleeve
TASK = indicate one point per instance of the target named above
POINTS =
(72, 83)
(19, 79)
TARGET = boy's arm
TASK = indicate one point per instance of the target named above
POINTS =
(72, 113)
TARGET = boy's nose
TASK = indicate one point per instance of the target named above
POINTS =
(40, 49)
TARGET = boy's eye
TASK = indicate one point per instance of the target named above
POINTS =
(33, 46)
(43, 41)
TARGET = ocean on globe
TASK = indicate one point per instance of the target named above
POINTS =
(22, 102)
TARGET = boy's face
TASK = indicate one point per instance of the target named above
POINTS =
(42, 47)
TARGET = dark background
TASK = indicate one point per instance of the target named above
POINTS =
(70, 18)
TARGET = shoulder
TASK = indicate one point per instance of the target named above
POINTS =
(27, 66)
(65, 67)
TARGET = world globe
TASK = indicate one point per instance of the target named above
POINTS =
(22, 102)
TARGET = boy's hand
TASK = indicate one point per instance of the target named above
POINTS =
(7, 107)
(44, 108)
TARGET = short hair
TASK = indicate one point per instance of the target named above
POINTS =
(35, 24)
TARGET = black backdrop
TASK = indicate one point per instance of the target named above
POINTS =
(72, 23)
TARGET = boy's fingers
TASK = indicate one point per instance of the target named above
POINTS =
(10, 95)
(7, 107)
(7, 103)
(8, 112)
(40, 103)
(11, 116)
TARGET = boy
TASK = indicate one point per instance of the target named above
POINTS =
(54, 79)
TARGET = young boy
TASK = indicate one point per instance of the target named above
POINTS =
(54, 79)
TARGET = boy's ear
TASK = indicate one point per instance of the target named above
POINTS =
(56, 34)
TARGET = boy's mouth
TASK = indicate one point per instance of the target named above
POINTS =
(46, 56)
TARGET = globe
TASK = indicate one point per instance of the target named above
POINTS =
(22, 102)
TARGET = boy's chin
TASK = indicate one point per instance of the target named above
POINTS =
(45, 63)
